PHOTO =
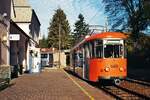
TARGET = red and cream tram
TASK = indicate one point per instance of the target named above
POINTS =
(100, 56)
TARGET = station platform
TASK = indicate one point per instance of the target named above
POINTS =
(51, 84)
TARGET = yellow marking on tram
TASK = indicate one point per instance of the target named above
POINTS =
(81, 88)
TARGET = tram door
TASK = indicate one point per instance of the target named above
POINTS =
(86, 62)
(83, 63)
(50, 60)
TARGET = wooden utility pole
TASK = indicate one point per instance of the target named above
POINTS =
(59, 43)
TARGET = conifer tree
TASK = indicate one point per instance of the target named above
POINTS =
(43, 43)
(59, 22)
(81, 29)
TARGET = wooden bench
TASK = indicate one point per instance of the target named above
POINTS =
(3, 82)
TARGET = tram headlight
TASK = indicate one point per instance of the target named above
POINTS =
(107, 69)
(121, 69)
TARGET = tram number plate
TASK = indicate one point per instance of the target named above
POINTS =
(114, 66)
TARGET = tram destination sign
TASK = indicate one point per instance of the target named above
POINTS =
(14, 37)
(113, 41)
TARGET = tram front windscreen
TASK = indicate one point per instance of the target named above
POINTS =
(113, 51)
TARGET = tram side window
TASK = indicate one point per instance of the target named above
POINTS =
(99, 49)
(43, 55)
(80, 59)
(91, 49)
(81, 55)
(73, 58)
(87, 50)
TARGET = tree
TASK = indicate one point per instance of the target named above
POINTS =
(81, 28)
(59, 22)
(43, 42)
(128, 14)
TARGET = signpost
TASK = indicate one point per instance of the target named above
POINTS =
(14, 37)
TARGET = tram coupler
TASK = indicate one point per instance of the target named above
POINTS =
(117, 81)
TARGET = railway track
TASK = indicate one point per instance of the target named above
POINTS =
(137, 86)
(118, 93)
(138, 82)
(129, 90)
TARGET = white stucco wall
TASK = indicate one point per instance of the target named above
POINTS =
(25, 27)
(62, 58)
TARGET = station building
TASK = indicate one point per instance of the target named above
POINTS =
(26, 19)
(50, 57)
(18, 19)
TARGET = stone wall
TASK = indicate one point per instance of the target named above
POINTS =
(3, 45)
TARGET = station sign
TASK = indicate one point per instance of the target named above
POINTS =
(14, 37)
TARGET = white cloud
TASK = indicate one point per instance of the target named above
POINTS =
(91, 10)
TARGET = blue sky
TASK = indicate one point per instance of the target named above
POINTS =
(92, 10)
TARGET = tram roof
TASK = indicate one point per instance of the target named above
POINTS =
(106, 35)
(101, 36)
